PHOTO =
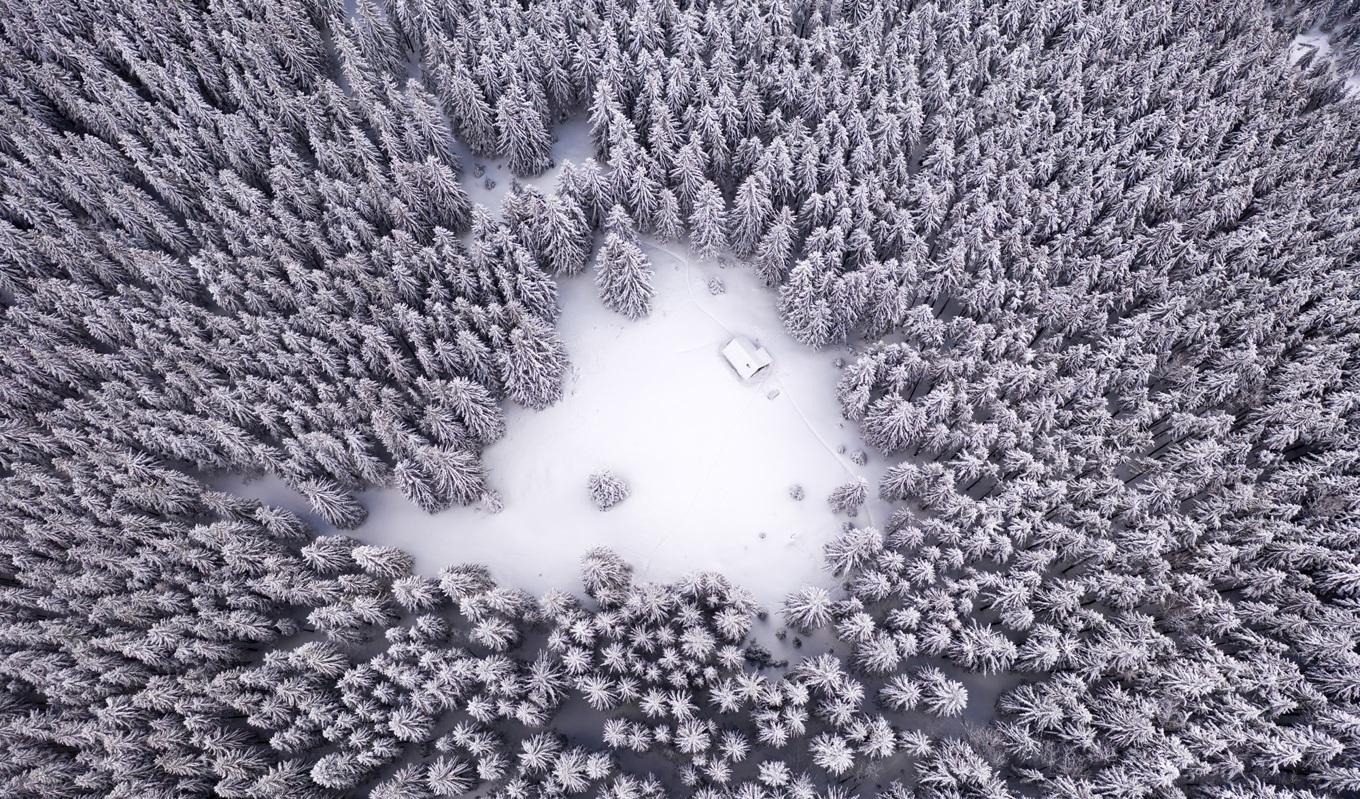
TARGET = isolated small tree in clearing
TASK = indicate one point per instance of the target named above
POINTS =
(607, 490)
(848, 498)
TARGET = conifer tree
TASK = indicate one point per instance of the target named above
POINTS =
(624, 277)
(708, 221)
(607, 490)
(467, 107)
(564, 237)
(521, 134)
(774, 252)
(749, 216)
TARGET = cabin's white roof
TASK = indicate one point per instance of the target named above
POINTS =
(746, 358)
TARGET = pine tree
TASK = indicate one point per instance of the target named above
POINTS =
(605, 573)
(808, 608)
(624, 277)
(522, 136)
(388, 563)
(750, 215)
(708, 221)
(806, 312)
(848, 498)
(468, 108)
(564, 238)
(689, 174)
(774, 252)
(619, 222)
(333, 504)
(531, 367)
(670, 226)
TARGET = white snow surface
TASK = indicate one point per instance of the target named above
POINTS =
(710, 459)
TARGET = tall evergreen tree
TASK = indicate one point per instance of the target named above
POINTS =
(708, 221)
(521, 134)
(624, 277)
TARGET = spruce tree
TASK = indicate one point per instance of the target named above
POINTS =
(708, 221)
(624, 277)
(521, 135)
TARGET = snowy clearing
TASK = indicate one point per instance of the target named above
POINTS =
(710, 459)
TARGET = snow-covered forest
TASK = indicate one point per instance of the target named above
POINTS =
(1086, 271)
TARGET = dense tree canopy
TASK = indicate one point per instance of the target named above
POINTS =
(1097, 258)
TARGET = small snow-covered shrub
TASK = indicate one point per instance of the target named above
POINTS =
(492, 501)
(607, 489)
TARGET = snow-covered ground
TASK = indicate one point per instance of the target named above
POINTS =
(710, 459)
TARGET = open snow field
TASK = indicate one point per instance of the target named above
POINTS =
(710, 459)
